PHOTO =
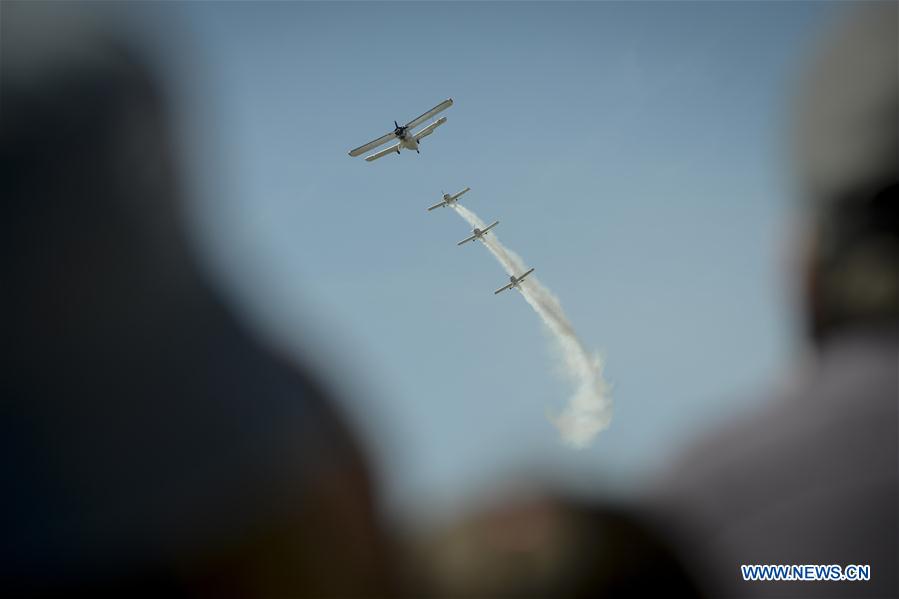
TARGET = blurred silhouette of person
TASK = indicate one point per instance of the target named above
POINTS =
(813, 477)
(150, 445)
(547, 545)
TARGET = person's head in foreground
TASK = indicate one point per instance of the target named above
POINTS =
(813, 476)
(150, 445)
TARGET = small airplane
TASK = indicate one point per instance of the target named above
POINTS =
(407, 139)
(515, 282)
(449, 200)
(479, 233)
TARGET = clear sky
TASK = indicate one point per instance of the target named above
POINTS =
(632, 152)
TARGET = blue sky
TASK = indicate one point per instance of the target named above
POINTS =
(634, 154)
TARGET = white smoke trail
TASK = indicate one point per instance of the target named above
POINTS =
(589, 409)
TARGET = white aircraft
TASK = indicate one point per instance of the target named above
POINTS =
(515, 282)
(407, 139)
(479, 233)
(449, 200)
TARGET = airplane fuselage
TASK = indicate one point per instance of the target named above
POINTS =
(446, 200)
(514, 282)
(408, 142)
(406, 139)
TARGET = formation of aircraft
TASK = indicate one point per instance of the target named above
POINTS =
(449, 200)
(514, 282)
(478, 233)
(407, 139)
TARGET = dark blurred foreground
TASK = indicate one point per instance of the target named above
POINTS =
(152, 446)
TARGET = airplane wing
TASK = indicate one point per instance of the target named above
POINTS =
(501, 289)
(490, 226)
(467, 239)
(382, 153)
(430, 128)
(461, 193)
(373, 144)
(434, 111)
(521, 278)
(437, 205)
